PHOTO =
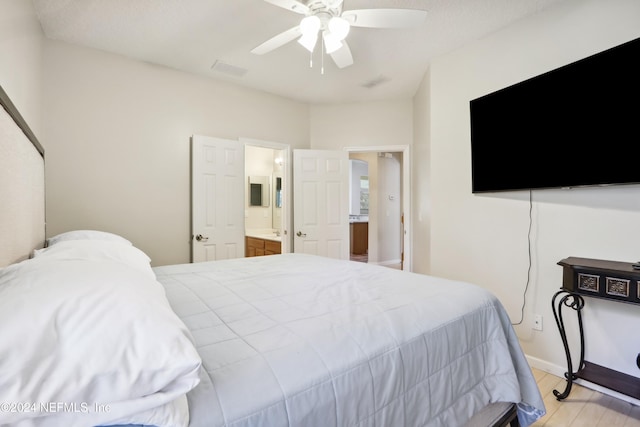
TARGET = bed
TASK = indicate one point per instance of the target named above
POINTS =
(93, 335)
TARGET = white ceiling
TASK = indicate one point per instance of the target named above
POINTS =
(191, 35)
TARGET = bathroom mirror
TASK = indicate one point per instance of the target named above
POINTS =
(258, 191)
(278, 192)
(364, 195)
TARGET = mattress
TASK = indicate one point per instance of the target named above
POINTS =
(302, 340)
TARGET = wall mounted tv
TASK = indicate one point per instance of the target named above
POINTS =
(578, 125)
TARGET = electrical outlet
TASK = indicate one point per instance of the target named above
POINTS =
(537, 322)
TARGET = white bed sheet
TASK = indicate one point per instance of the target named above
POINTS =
(299, 340)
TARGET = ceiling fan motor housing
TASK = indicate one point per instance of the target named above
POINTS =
(325, 9)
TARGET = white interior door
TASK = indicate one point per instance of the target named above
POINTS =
(217, 199)
(321, 203)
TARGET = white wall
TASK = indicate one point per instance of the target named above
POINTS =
(483, 238)
(21, 41)
(334, 127)
(118, 142)
(421, 178)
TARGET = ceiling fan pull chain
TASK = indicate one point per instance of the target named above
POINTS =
(310, 59)
(322, 57)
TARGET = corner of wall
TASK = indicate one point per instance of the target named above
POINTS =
(421, 176)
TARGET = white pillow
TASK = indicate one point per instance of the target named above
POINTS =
(98, 250)
(96, 336)
(85, 235)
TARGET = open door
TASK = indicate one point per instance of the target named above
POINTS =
(217, 199)
(321, 203)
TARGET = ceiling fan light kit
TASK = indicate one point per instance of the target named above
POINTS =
(328, 17)
(331, 43)
(339, 27)
(309, 27)
(334, 30)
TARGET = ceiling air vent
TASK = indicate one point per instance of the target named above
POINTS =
(229, 69)
(375, 82)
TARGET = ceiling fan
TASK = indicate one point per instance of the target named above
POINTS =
(327, 19)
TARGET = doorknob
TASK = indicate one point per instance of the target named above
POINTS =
(301, 234)
(201, 238)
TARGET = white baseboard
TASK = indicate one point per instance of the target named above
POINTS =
(385, 263)
(559, 371)
(545, 366)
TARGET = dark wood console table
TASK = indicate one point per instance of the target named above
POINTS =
(611, 280)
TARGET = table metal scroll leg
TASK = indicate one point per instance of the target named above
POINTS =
(575, 302)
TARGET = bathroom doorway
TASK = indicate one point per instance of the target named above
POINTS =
(267, 168)
(379, 203)
(359, 208)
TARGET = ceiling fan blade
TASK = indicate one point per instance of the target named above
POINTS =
(292, 5)
(278, 40)
(342, 57)
(385, 18)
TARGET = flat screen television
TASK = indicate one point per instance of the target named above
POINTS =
(578, 125)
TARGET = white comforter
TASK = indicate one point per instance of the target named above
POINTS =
(299, 340)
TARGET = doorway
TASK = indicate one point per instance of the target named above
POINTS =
(267, 168)
(359, 206)
(383, 198)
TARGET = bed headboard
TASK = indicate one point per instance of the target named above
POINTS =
(22, 203)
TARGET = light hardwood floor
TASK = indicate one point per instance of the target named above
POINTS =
(584, 407)
(365, 258)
